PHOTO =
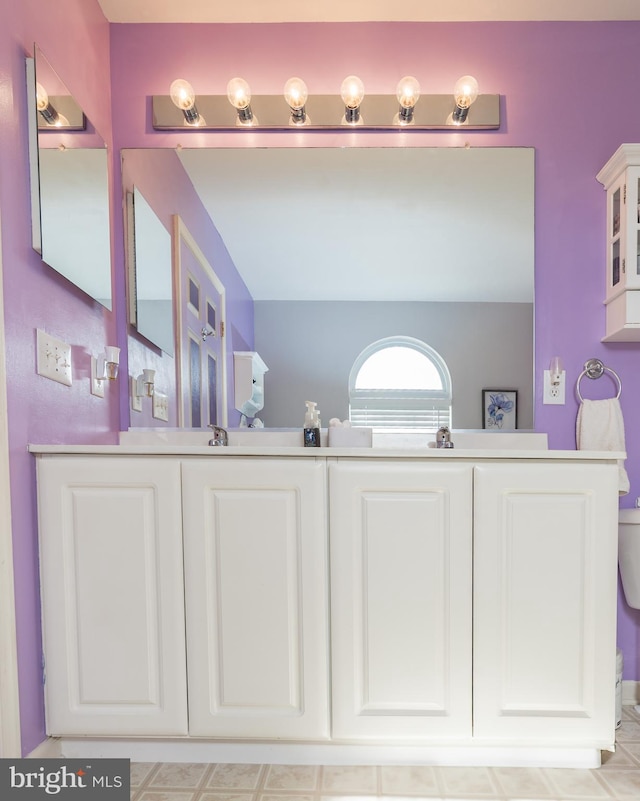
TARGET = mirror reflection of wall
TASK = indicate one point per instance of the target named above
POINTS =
(69, 185)
(151, 309)
(339, 247)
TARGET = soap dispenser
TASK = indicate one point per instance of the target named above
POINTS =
(311, 426)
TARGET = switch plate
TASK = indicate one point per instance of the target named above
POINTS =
(53, 358)
(160, 406)
(553, 394)
(136, 400)
(97, 387)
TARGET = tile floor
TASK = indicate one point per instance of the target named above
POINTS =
(618, 778)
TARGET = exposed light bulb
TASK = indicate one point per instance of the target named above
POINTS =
(239, 95)
(408, 93)
(296, 94)
(465, 93)
(47, 111)
(184, 98)
(352, 91)
(182, 94)
(352, 94)
(42, 98)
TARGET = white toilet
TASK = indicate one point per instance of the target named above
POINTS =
(629, 554)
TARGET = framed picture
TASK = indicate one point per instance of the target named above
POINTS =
(500, 409)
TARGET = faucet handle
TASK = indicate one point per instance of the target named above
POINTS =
(220, 435)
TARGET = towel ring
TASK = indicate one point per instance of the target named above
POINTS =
(594, 368)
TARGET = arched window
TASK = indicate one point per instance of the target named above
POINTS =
(400, 383)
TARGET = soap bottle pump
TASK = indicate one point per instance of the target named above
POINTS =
(311, 426)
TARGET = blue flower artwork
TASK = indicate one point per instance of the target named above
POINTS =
(499, 409)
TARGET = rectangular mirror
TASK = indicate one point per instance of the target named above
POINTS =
(150, 273)
(340, 247)
(69, 184)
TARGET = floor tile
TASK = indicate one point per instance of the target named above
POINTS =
(349, 779)
(578, 784)
(292, 777)
(166, 795)
(522, 782)
(139, 772)
(467, 782)
(406, 780)
(238, 777)
(620, 758)
(182, 775)
(624, 783)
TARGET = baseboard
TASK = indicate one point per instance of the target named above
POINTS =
(630, 692)
(48, 749)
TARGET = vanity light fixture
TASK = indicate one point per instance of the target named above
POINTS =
(406, 108)
(184, 98)
(104, 368)
(408, 93)
(239, 95)
(352, 94)
(465, 93)
(48, 113)
(296, 94)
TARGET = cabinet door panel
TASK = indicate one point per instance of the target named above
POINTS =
(544, 601)
(112, 596)
(401, 600)
(255, 549)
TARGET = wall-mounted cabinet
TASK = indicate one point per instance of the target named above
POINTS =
(621, 178)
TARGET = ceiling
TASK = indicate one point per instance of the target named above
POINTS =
(366, 10)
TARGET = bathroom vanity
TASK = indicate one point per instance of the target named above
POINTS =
(329, 605)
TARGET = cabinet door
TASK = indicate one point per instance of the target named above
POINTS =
(112, 596)
(545, 602)
(401, 600)
(256, 597)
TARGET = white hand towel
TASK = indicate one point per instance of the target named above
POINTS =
(600, 427)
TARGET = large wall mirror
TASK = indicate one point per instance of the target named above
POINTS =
(69, 184)
(340, 247)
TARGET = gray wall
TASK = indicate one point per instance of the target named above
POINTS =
(311, 346)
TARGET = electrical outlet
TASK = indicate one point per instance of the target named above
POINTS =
(53, 358)
(97, 387)
(553, 393)
(136, 400)
(160, 406)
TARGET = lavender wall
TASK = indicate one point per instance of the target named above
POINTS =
(75, 38)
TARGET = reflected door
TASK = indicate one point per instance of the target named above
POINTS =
(202, 370)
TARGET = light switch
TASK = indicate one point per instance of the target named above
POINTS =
(53, 358)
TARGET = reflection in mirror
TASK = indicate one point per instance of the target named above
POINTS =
(151, 283)
(340, 247)
(69, 185)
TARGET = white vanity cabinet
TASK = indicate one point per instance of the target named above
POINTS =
(255, 540)
(330, 606)
(401, 561)
(545, 573)
(112, 595)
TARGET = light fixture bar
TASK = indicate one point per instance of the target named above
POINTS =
(431, 113)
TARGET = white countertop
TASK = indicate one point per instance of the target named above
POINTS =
(184, 451)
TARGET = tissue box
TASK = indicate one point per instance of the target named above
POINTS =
(347, 437)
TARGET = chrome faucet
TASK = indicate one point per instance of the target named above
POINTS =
(443, 438)
(220, 435)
